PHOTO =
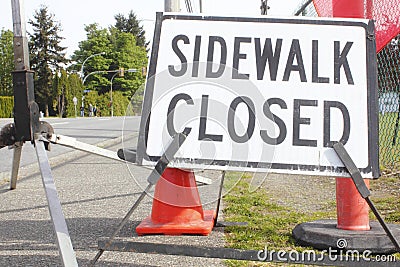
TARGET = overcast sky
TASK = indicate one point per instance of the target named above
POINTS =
(74, 14)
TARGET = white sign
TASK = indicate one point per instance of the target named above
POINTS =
(262, 94)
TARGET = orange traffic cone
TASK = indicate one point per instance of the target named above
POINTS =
(352, 209)
(177, 207)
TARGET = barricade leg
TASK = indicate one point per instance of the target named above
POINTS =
(324, 234)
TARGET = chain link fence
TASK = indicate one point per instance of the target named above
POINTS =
(389, 98)
(389, 106)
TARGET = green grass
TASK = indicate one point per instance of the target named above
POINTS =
(388, 201)
(389, 154)
(271, 225)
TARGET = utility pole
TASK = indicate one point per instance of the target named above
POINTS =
(264, 7)
(172, 6)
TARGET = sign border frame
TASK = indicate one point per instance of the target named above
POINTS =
(372, 96)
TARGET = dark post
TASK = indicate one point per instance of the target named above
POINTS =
(23, 88)
(22, 76)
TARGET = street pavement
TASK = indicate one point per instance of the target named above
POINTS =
(89, 130)
(95, 194)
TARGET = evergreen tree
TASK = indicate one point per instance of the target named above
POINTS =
(6, 62)
(46, 55)
(75, 90)
(61, 91)
(131, 25)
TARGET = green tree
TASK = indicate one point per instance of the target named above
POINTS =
(46, 55)
(6, 106)
(75, 90)
(131, 25)
(98, 41)
(61, 92)
(126, 54)
(119, 50)
(6, 62)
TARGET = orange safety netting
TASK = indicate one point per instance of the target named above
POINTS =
(386, 14)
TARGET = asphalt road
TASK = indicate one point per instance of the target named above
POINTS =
(91, 130)
(95, 194)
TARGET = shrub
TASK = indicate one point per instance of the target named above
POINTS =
(6, 106)
(102, 102)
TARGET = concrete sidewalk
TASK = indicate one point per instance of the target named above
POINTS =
(95, 193)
